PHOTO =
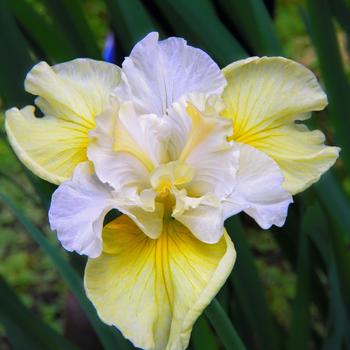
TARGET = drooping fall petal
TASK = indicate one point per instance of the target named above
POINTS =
(154, 290)
(264, 98)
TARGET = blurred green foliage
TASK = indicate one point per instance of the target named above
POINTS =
(290, 287)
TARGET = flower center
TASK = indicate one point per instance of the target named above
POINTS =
(170, 177)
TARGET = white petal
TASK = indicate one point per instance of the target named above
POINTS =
(124, 147)
(77, 211)
(200, 140)
(158, 73)
(259, 190)
(202, 216)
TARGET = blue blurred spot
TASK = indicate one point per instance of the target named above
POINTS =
(109, 49)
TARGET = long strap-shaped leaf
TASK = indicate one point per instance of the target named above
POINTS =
(15, 60)
(336, 203)
(249, 290)
(52, 42)
(223, 327)
(68, 16)
(299, 336)
(197, 21)
(338, 90)
(130, 20)
(252, 20)
(23, 328)
(339, 322)
(202, 337)
(110, 338)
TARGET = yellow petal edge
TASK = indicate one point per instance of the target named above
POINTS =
(265, 97)
(154, 290)
(49, 147)
(71, 95)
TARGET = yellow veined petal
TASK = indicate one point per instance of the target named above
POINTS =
(49, 147)
(264, 97)
(71, 95)
(300, 153)
(77, 90)
(154, 290)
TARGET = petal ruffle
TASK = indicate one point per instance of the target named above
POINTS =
(154, 290)
(126, 147)
(49, 147)
(158, 73)
(264, 97)
(79, 205)
(200, 140)
(70, 94)
(258, 191)
(76, 91)
(77, 210)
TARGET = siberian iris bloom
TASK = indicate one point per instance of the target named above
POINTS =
(177, 146)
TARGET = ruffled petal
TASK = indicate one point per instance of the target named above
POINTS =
(154, 290)
(200, 140)
(158, 73)
(125, 147)
(76, 91)
(299, 152)
(79, 205)
(49, 147)
(258, 190)
(264, 97)
(77, 210)
(70, 94)
(203, 216)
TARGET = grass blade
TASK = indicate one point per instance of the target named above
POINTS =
(50, 40)
(300, 327)
(341, 12)
(202, 337)
(249, 290)
(253, 22)
(15, 64)
(338, 322)
(336, 203)
(109, 336)
(337, 87)
(130, 21)
(68, 16)
(23, 328)
(197, 21)
(223, 326)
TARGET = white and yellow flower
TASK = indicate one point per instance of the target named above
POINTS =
(177, 146)
(176, 179)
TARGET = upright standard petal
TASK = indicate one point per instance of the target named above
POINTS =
(71, 95)
(154, 290)
(258, 191)
(158, 73)
(264, 98)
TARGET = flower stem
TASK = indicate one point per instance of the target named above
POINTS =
(223, 327)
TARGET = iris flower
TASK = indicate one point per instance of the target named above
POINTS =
(177, 146)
